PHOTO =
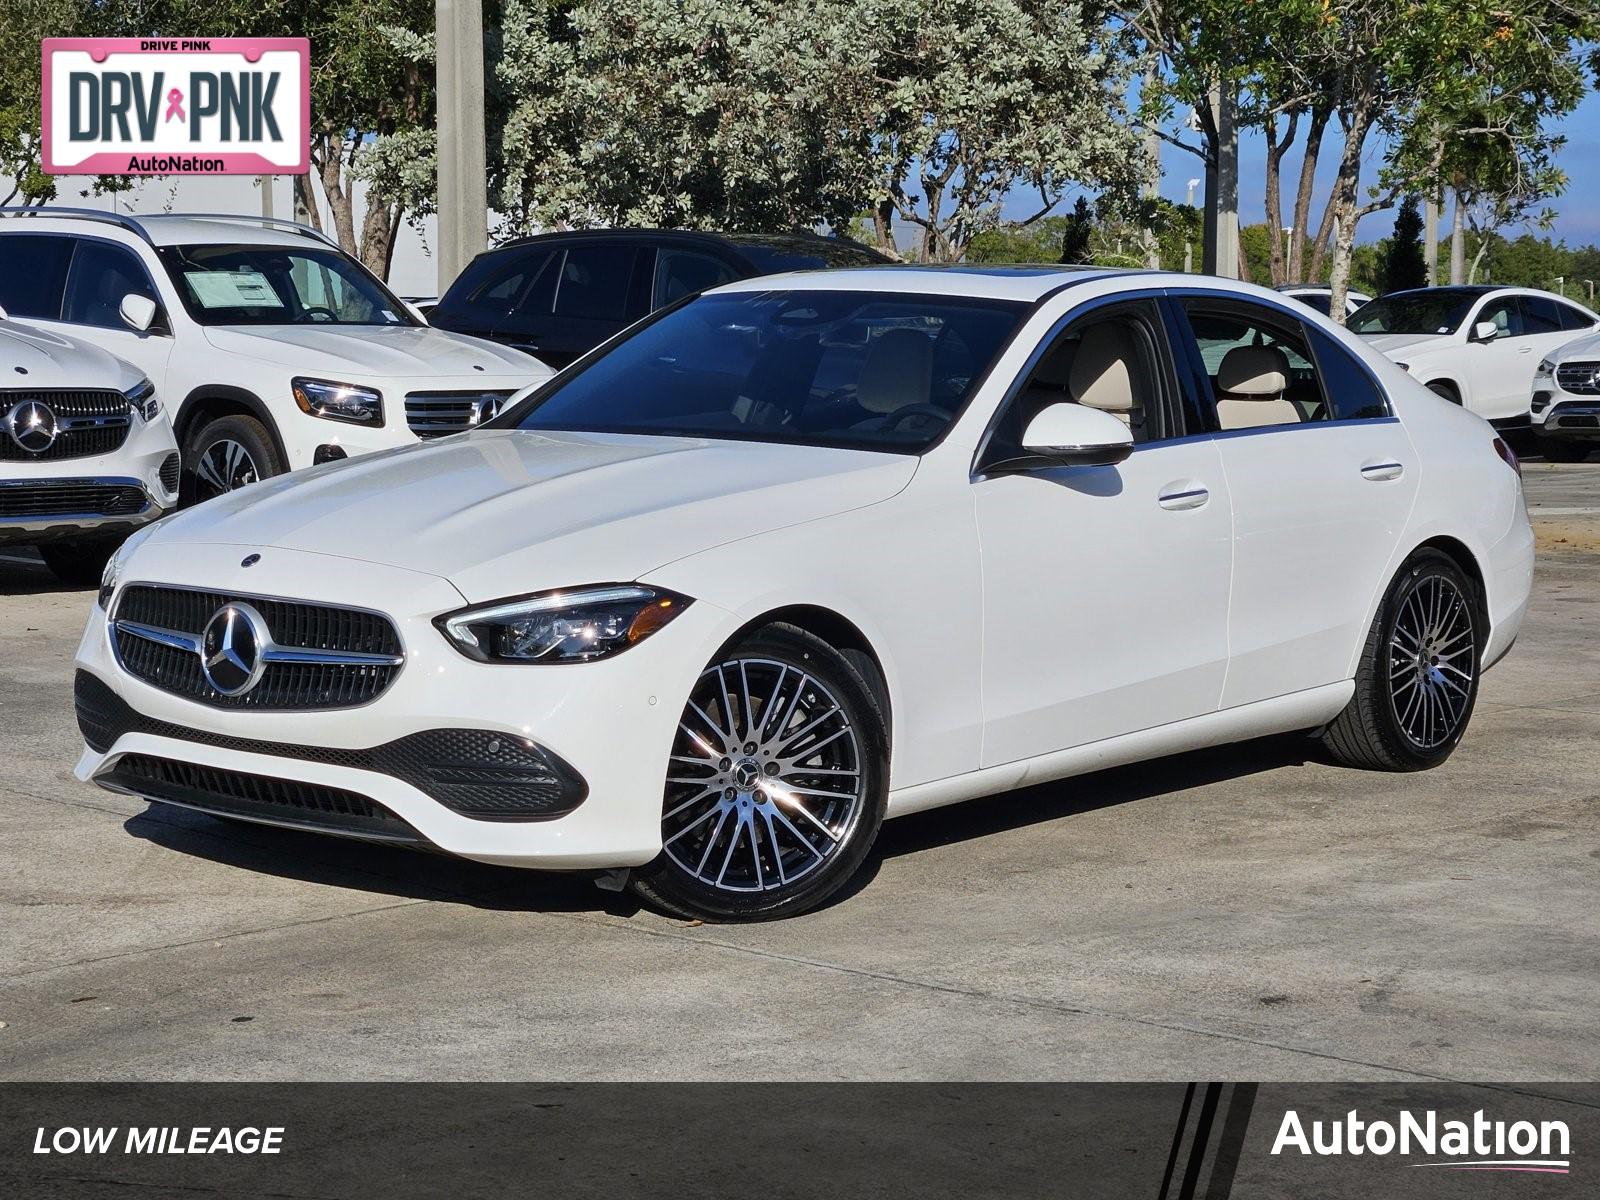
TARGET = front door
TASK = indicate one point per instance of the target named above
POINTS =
(1105, 588)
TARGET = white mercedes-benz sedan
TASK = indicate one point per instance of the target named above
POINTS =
(805, 552)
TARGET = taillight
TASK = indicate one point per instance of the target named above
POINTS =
(1508, 454)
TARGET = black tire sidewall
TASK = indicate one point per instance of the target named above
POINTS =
(1423, 565)
(664, 884)
(248, 432)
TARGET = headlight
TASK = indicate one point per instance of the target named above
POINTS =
(143, 400)
(562, 627)
(112, 575)
(1545, 368)
(1403, 366)
(338, 401)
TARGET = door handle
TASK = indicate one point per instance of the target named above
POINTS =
(1183, 495)
(1382, 470)
(1524, 349)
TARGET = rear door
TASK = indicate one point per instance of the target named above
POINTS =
(1321, 478)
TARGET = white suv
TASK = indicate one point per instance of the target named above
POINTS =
(273, 348)
(1477, 346)
(86, 452)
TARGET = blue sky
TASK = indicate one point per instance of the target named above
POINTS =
(1577, 209)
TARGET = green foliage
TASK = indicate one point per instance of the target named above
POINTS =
(1401, 263)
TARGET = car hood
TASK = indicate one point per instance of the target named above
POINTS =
(1392, 344)
(381, 351)
(505, 512)
(38, 358)
(1584, 347)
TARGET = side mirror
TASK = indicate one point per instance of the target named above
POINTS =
(1484, 331)
(137, 312)
(1075, 435)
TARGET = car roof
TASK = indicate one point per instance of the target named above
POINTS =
(169, 229)
(1022, 281)
(799, 240)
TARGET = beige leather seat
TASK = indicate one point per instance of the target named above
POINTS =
(1106, 373)
(898, 372)
(1251, 382)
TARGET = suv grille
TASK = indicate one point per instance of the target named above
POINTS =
(283, 685)
(1579, 378)
(70, 498)
(87, 423)
(237, 794)
(435, 414)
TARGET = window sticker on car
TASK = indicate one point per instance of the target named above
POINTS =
(232, 289)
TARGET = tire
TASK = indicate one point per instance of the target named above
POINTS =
(1447, 390)
(226, 454)
(1407, 715)
(770, 851)
(1559, 451)
(78, 564)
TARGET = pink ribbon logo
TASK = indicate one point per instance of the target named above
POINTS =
(175, 105)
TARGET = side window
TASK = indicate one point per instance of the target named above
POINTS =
(1540, 315)
(1259, 365)
(682, 272)
(33, 268)
(593, 283)
(100, 276)
(1111, 360)
(1574, 318)
(1506, 315)
(1351, 391)
(503, 290)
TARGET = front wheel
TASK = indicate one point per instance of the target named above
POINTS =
(78, 564)
(1417, 680)
(227, 454)
(1561, 451)
(776, 786)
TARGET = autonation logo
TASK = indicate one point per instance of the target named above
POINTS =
(1476, 1145)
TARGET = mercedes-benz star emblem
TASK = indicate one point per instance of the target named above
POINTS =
(231, 649)
(32, 425)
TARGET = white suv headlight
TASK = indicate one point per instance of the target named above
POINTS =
(338, 401)
(143, 400)
(1545, 369)
(562, 627)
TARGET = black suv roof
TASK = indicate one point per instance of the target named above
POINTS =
(838, 251)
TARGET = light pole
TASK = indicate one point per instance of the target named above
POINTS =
(1188, 242)
(1590, 284)
(1288, 238)
(463, 174)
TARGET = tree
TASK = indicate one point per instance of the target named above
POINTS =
(1401, 263)
(1077, 233)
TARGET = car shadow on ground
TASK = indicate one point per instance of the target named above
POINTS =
(409, 874)
(23, 574)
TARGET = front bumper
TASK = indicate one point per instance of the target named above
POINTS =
(92, 497)
(1577, 418)
(610, 724)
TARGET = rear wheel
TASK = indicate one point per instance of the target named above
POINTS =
(227, 454)
(1418, 677)
(776, 786)
(78, 564)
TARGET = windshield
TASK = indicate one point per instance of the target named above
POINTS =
(868, 370)
(1438, 310)
(279, 285)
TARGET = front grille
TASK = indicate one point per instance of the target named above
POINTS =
(169, 471)
(1579, 378)
(70, 498)
(239, 794)
(478, 773)
(88, 423)
(435, 414)
(292, 624)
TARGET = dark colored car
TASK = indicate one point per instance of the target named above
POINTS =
(559, 295)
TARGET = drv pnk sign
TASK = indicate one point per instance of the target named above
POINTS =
(177, 106)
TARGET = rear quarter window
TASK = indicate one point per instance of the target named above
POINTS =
(1352, 393)
(33, 273)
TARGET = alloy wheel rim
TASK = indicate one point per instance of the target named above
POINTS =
(225, 466)
(1432, 662)
(765, 783)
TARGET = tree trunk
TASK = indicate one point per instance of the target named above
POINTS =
(1277, 148)
(1458, 242)
(378, 228)
(1295, 268)
(883, 227)
(1344, 212)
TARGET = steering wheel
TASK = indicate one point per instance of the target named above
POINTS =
(328, 313)
(901, 415)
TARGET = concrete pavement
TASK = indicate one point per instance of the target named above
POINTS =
(1247, 912)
